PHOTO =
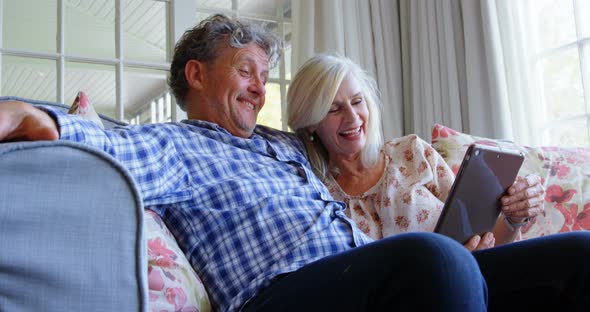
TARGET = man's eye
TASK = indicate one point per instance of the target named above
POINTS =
(244, 72)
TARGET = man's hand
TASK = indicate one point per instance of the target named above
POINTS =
(478, 243)
(22, 122)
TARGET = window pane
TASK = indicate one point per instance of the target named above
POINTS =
(145, 27)
(287, 8)
(141, 87)
(555, 22)
(570, 134)
(274, 72)
(215, 4)
(583, 8)
(97, 81)
(288, 50)
(29, 78)
(270, 115)
(562, 85)
(201, 16)
(90, 28)
(258, 7)
(30, 25)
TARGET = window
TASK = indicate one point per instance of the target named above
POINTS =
(116, 51)
(158, 110)
(560, 63)
(275, 15)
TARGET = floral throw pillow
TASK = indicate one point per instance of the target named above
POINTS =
(565, 173)
(172, 282)
(83, 108)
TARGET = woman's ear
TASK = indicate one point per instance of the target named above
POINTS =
(311, 129)
(194, 72)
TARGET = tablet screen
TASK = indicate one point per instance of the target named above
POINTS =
(473, 204)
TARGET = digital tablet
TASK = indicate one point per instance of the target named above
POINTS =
(473, 204)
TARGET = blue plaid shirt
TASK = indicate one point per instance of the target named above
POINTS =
(242, 210)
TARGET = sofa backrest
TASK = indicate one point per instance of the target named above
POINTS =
(108, 122)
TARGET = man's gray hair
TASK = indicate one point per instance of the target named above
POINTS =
(204, 41)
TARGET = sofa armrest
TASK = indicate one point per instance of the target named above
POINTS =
(70, 230)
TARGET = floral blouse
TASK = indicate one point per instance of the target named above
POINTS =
(410, 195)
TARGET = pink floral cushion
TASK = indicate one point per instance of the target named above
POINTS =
(565, 173)
(173, 284)
(84, 108)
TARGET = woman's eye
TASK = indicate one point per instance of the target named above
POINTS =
(356, 102)
(244, 72)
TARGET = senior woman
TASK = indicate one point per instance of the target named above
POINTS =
(392, 187)
(400, 186)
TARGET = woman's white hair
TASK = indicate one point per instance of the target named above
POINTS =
(310, 96)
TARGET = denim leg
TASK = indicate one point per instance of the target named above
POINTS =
(407, 272)
(551, 273)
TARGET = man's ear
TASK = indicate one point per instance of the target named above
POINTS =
(194, 72)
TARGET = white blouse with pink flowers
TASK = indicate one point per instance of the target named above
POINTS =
(410, 194)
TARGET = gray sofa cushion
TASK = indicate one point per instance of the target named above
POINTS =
(70, 231)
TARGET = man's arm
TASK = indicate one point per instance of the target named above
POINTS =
(20, 121)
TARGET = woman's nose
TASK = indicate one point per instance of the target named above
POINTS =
(350, 113)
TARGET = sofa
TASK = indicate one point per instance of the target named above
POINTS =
(75, 236)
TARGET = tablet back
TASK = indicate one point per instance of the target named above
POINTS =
(473, 204)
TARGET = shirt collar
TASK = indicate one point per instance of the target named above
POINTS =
(213, 126)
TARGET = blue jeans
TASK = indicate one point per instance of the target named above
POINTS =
(406, 272)
(551, 273)
(430, 272)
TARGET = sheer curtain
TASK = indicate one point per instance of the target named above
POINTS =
(363, 31)
(441, 61)
(509, 45)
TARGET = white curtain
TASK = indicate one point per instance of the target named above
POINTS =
(512, 47)
(364, 32)
(433, 65)
(441, 61)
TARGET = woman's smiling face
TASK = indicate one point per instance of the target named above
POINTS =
(343, 130)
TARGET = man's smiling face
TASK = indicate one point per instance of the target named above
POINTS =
(234, 88)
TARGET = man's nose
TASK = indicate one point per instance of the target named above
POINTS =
(257, 86)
